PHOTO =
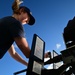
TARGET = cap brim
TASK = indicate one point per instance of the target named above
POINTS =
(32, 20)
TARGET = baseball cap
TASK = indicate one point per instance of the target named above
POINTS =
(32, 19)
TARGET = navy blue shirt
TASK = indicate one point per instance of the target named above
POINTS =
(9, 29)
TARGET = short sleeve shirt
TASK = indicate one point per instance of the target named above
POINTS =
(9, 29)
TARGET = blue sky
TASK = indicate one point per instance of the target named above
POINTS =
(51, 18)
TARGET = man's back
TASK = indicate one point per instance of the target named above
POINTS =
(9, 28)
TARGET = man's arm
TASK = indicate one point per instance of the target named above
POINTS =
(23, 45)
(16, 56)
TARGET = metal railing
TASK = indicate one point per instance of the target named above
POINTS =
(20, 72)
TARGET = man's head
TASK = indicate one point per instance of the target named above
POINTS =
(24, 14)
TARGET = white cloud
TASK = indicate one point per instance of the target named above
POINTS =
(58, 46)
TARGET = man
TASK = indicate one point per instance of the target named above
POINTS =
(11, 30)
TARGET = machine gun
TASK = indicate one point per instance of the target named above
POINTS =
(36, 61)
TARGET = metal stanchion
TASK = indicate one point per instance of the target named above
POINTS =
(20, 71)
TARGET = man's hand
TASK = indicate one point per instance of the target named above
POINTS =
(47, 55)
